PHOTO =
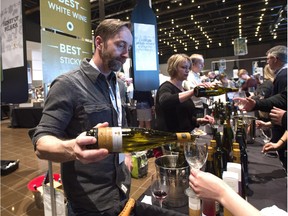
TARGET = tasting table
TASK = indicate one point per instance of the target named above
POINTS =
(267, 180)
(26, 117)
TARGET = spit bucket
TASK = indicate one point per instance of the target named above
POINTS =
(166, 167)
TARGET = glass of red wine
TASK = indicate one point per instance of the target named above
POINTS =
(159, 188)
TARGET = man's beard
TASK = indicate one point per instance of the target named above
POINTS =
(114, 64)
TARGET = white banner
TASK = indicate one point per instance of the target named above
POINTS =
(12, 34)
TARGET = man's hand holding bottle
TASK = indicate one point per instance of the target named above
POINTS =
(85, 155)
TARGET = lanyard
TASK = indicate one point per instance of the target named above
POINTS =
(116, 102)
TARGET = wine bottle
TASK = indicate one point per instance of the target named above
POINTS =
(209, 206)
(242, 186)
(213, 144)
(227, 139)
(117, 139)
(201, 91)
(244, 156)
(220, 159)
(235, 145)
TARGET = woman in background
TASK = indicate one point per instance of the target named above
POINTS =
(174, 106)
(248, 81)
(264, 87)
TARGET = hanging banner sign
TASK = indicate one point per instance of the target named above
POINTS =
(145, 47)
(240, 47)
(68, 16)
(12, 34)
(61, 54)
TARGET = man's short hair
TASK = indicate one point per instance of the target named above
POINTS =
(279, 52)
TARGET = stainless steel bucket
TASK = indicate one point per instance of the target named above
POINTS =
(249, 123)
(166, 167)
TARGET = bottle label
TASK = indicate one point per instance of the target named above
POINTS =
(110, 138)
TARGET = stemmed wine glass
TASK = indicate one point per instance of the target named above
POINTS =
(266, 135)
(196, 153)
(159, 188)
(251, 91)
(240, 103)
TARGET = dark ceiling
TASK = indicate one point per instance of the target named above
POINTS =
(188, 25)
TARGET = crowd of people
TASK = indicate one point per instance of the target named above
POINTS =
(96, 182)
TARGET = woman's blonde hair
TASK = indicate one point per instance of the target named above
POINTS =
(241, 72)
(174, 61)
(268, 74)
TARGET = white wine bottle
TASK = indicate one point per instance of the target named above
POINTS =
(117, 139)
(201, 91)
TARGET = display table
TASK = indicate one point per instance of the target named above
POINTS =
(26, 117)
(267, 179)
(268, 182)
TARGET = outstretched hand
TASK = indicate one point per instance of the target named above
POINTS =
(249, 103)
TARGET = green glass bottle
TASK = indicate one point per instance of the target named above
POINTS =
(237, 159)
(219, 157)
(117, 139)
(227, 140)
(201, 91)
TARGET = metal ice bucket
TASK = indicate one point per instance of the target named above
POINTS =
(166, 167)
(249, 123)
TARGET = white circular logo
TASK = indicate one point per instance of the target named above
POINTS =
(70, 26)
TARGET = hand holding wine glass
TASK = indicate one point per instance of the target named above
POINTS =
(238, 99)
(159, 188)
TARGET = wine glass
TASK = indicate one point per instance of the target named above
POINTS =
(196, 153)
(240, 103)
(266, 134)
(159, 188)
(251, 91)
